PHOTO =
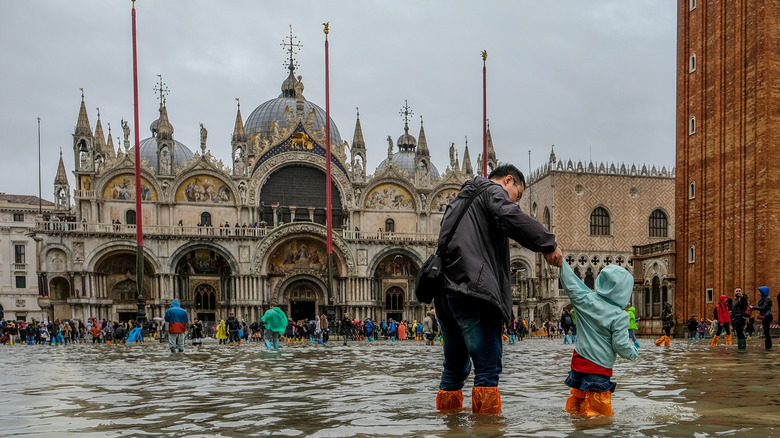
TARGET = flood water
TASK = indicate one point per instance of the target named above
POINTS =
(377, 389)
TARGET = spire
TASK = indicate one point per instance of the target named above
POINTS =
(357, 138)
(467, 169)
(62, 176)
(422, 143)
(164, 127)
(292, 47)
(82, 125)
(238, 130)
(109, 150)
(100, 139)
(490, 151)
(552, 155)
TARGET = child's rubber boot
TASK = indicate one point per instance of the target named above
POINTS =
(659, 341)
(485, 400)
(714, 341)
(268, 344)
(741, 344)
(728, 339)
(667, 341)
(575, 402)
(449, 400)
(636, 344)
(597, 403)
(566, 339)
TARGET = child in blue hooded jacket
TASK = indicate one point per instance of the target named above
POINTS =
(602, 329)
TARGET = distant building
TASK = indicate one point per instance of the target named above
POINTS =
(728, 147)
(599, 212)
(18, 256)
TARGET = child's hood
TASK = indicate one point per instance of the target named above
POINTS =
(614, 284)
(764, 290)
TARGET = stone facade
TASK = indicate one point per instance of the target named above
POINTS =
(598, 213)
(18, 256)
(728, 144)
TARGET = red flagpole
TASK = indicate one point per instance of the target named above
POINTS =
(328, 200)
(484, 114)
(141, 314)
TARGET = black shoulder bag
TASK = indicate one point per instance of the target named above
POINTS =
(429, 278)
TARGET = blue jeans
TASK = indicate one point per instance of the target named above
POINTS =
(233, 336)
(176, 340)
(471, 328)
(589, 382)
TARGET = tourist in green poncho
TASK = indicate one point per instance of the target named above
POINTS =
(275, 322)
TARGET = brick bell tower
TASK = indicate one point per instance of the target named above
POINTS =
(727, 191)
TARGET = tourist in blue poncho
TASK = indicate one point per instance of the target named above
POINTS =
(602, 326)
(275, 322)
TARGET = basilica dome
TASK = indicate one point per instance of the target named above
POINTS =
(261, 120)
(181, 153)
(405, 161)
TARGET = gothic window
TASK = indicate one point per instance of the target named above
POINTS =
(205, 219)
(659, 224)
(130, 217)
(389, 226)
(205, 297)
(590, 280)
(656, 296)
(395, 299)
(692, 64)
(599, 222)
(546, 218)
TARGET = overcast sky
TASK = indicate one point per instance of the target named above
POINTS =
(594, 78)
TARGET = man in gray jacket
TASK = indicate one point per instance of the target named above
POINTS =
(476, 296)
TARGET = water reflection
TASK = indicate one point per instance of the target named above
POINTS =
(378, 389)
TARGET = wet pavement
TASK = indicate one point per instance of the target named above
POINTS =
(377, 389)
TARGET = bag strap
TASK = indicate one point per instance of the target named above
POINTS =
(457, 221)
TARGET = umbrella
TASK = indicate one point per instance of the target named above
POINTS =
(157, 318)
(65, 320)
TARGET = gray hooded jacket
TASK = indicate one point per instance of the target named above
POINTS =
(476, 262)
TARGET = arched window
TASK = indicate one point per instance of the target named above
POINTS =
(692, 190)
(599, 222)
(395, 299)
(692, 125)
(130, 217)
(205, 219)
(546, 218)
(589, 280)
(692, 254)
(692, 64)
(656, 296)
(389, 226)
(658, 224)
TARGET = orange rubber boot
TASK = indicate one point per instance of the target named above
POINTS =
(728, 339)
(485, 400)
(449, 400)
(574, 403)
(597, 403)
(667, 341)
(714, 341)
(659, 341)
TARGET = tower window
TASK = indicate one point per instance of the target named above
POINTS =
(692, 4)
(692, 254)
(692, 64)
(692, 190)
(710, 295)
(599, 222)
(692, 125)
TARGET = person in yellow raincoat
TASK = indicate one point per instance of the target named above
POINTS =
(222, 332)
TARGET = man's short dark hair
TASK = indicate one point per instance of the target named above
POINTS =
(508, 169)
